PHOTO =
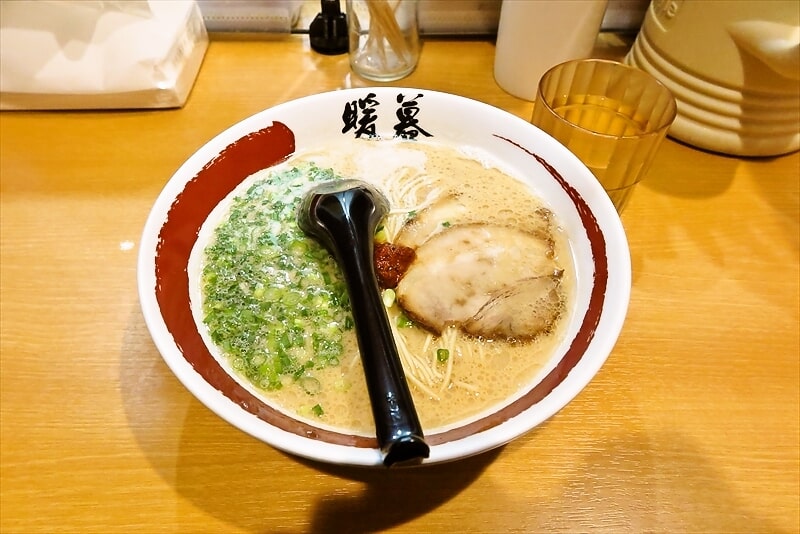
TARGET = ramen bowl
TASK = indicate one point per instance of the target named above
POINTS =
(597, 244)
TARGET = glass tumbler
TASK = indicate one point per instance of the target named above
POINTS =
(384, 38)
(611, 115)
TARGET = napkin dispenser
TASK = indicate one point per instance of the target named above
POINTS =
(95, 54)
(734, 69)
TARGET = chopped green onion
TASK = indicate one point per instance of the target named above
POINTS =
(446, 224)
(404, 322)
(442, 355)
(317, 410)
(310, 384)
(274, 300)
(388, 297)
(381, 236)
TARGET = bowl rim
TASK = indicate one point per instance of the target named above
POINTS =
(578, 376)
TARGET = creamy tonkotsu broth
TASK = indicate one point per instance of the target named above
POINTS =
(305, 360)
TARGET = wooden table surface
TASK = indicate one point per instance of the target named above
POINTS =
(691, 426)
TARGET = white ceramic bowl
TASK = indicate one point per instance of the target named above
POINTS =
(598, 242)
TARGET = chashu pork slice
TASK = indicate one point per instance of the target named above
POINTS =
(453, 209)
(523, 311)
(430, 221)
(462, 269)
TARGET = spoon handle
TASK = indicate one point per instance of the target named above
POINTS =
(346, 223)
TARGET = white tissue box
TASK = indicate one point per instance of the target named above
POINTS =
(99, 54)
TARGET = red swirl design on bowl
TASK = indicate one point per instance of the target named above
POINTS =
(267, 147)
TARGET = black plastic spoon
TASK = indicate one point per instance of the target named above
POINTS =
(343, 216)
